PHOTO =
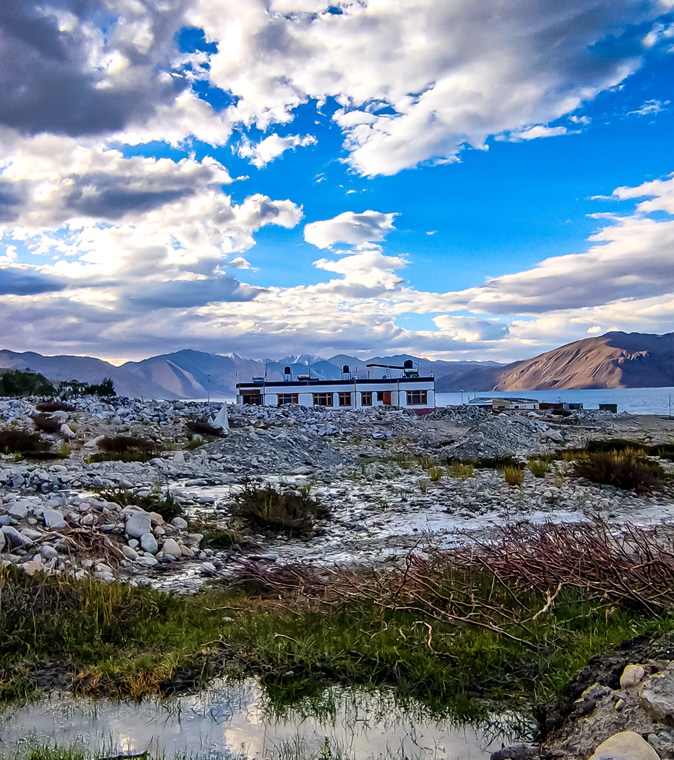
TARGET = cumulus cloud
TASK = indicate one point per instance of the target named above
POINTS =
(74, 68)
(460, 73)
(350, 228)
(272, 147)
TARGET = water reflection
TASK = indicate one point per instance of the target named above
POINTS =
(235, 720)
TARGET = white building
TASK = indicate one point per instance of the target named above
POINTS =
(396, 386)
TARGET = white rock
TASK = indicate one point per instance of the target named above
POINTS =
(147, 561)
(138, 524)
(631, 676)
(149, 543)
(208, 568)
(129, 553)
(48, 552)
(626, 745)
(179, 523)
(657, 696)
(171, 548)
(53, 519)
(18, 510)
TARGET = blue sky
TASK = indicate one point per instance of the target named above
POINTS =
(280, 177)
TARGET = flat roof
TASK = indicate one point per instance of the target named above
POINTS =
(318, 383)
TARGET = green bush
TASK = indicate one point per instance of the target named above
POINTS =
(627, 469)
(271, 511)
(435, 473)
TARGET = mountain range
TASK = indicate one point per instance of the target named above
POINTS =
(613, 360)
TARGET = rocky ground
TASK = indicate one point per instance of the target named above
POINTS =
(371, 468)
(626, 695)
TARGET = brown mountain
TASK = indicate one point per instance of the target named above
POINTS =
(614, 360)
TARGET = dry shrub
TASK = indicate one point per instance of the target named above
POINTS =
(126, 448)
(54, 406)
(201, 427)
(21, 442)
(47, 423)
(633, 565)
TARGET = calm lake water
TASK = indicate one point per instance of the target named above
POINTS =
(234, 721)
(633, 400)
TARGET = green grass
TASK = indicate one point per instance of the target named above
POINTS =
(120, 641)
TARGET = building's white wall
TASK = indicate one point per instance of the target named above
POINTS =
(305, 394)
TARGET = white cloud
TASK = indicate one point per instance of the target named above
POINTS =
(650, 108)
(538, 131)
(272, 147)
(460, 72)
(350, 228)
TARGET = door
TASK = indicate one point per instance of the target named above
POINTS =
(385, 397)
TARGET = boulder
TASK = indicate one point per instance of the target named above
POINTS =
(18, 510)
(53, 519)
(172, 548)
(129, 553)
(626, 745)
(14, 538)
(138, 524)
(149, 543)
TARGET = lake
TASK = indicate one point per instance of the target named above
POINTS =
(632, 400)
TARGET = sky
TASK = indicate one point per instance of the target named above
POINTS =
(451, 179)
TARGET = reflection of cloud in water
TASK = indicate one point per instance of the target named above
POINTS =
(236, 719)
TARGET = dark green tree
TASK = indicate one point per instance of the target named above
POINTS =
(16, 382)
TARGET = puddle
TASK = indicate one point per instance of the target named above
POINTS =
(236, 720)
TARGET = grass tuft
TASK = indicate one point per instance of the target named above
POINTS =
(162, 502)
(625, 468)
(538, 467)
(461, 470)
(513, 476)
(270, 510)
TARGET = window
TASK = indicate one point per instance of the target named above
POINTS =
(417, 398)
(322, 399)
(366, 398)
(250, 397)
(345, 399)
(287, 398)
